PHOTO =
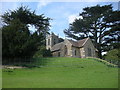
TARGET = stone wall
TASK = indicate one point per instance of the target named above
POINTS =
(89, 47)
(75, 52)
(62, 51)
(56, 54)
(82, 52)
(69, 49)
(88, 50)
(53, 39)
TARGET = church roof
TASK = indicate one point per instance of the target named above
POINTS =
(79, 43)
(74, 43)
(57, 46)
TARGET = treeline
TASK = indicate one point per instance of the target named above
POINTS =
(17, 39)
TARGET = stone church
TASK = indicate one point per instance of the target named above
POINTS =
(69, 48)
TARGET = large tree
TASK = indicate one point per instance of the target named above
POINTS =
(100, 23)
(17, 40)
(27, 17)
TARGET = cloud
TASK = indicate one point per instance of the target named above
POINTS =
(52, 23)
(72, 18)
(32, 28)
(43, 3)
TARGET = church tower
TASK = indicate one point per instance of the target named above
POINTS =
(51, 40)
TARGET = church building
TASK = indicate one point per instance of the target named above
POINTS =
(69, 48)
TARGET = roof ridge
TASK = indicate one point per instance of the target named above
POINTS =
(72, 40)
(58, 43)
(85, 41)
(57, 46)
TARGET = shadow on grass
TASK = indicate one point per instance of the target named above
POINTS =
(25, 62)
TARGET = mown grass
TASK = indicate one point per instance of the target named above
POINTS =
(62, 73)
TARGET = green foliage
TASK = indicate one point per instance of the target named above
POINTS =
(113, 56)
(14, 37)
(47, 53)
(42, 52)
(100, 23)
(18, 41)
(26, 16)
(39, 52)
(105, 62)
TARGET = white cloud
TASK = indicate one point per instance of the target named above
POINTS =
(32, 28)
(72, 18)
(43, 3)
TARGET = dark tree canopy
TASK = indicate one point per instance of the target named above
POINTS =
(26, 17)
(17, 40)
(100, 23)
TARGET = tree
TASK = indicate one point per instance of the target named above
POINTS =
(14, 37)
(28, 17)
(100, 23)
(113, 56)
(113, 39)
(42, 52)
(17, 41)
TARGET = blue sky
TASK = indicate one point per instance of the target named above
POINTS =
(62, 13)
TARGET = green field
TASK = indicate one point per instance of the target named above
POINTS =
(62, 73)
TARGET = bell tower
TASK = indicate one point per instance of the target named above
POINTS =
(51, 40)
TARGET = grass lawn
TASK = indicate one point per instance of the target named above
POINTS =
(62, 73)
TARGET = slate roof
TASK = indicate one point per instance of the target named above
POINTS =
(82, 42)
(79, 43)
(57, 46)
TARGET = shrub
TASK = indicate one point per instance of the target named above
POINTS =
(113, 56)
(42, 52)
(105, 62)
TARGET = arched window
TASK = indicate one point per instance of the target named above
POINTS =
(54, 41)
(48, 41)
(89, 52)
(75, 52)
(58, 54)
(65, 50)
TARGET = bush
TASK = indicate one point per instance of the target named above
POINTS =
(42, 52)
(113, 56)
(47, 53)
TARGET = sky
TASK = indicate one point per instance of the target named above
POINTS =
(62, 13)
